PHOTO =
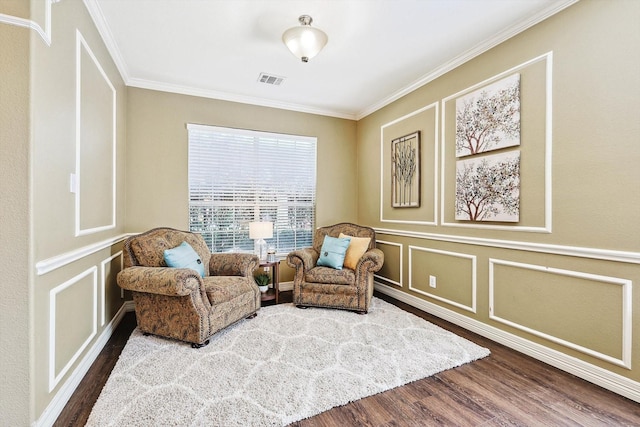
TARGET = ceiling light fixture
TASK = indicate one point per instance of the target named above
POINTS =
(304, 41)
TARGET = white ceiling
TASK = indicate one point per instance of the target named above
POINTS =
(378, 50)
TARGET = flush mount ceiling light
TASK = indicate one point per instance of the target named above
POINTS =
(304, 41)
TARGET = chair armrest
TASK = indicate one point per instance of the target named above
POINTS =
(233, 264)
(305, 258)
(160, 280)
(371, 261)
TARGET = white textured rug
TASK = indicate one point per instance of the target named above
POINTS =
(285, 365)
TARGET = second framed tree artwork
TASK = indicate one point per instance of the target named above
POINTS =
(488, 188)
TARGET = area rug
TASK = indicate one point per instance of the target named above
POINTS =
(285, 365)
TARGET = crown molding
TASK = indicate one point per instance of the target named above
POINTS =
(98, 18)
(469, 55)
(101, 24)
(226, 96)
(95, 11)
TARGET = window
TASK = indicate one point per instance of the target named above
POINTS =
(237, 176)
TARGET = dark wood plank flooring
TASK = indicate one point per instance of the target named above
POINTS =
(505, 389)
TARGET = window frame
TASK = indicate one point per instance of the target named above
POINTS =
(279, 185)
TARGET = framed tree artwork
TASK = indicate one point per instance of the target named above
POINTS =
(405, 171)
(489, 118)
(488, 188)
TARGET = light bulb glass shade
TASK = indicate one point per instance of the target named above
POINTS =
(304, 41)
(260, 230)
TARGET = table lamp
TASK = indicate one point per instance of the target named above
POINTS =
(259, 231)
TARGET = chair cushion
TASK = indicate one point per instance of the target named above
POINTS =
(333, 252)
(148, 248)
(330, 275)
(184, 256)
(357, 247)
(149, 252)
(221, 289)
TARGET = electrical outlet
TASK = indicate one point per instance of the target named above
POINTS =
(432, 281)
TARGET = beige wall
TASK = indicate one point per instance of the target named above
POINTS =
(76, 88)
(157, 154)
(15, 330)
(58, 151)
(563, 280)
(570, 284)
(61, 298)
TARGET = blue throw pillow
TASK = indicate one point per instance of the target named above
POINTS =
(333, 251)
(184, 256)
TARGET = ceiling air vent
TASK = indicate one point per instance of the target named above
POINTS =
(270, 79)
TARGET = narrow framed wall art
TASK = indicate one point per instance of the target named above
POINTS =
(405, 171)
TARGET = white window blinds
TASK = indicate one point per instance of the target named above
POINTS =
(237, 176)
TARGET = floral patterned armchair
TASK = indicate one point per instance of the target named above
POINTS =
(178, 302)
(321, 286)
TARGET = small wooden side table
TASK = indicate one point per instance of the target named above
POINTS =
(273, 293)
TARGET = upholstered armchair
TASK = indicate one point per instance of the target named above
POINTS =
(180, 303)
(349, 288)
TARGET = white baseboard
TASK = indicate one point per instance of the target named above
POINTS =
(594, 374)
(64, 393)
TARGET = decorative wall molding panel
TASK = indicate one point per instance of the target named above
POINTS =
(429, 173)
(388, 280)
(470, 259)
(55, 293)
(66, 390)
(103, 283)
(531, 103)
(95, 174)
(625, 308)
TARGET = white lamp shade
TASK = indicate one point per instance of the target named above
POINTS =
(304, 41)
(260, 230)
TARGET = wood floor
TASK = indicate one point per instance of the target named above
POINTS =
(505, 389)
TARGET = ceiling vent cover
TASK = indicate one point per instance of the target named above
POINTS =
(270, 79)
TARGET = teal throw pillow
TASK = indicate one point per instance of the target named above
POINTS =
(333, 251)
(184, 256)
